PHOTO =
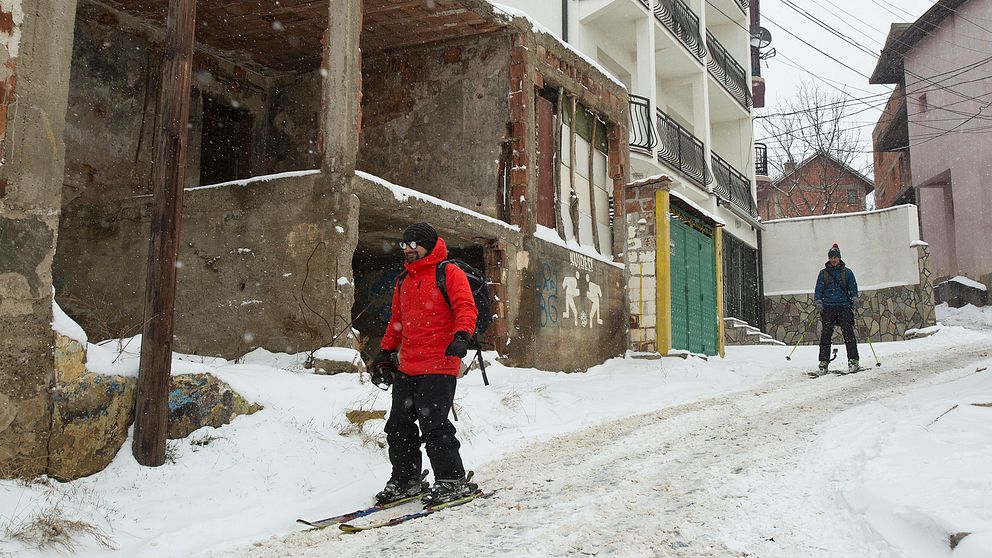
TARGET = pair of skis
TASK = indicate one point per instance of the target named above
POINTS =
(342, 521)
(820, 373)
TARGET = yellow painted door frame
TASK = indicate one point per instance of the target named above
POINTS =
(663, 294)
(718, 266)
(663, 324)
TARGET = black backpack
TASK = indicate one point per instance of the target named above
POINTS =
(480, 293)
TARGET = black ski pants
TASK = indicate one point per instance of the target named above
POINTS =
(844, 317)
(425, 400)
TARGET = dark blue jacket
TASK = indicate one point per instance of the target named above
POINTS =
(832, 291)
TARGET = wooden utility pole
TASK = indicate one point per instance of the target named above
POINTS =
(152, 402)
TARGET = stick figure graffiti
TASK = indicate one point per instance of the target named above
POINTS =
(594, 293)
(571, 286)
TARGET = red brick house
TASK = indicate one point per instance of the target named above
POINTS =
(820, 185)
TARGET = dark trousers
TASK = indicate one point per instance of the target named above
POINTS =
(844, 317)
(425, 400)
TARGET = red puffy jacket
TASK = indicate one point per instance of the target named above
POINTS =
(423, 321)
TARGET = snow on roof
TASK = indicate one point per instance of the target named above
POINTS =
(917, 243)
(550, 235)
(536, 26)
(402, 193)
(698, 208)
(968, 282)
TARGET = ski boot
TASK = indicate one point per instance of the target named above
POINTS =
(447, 490)
(402, 489)
(823, 365)
(852, 365)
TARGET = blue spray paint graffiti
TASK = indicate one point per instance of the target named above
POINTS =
(547, 295)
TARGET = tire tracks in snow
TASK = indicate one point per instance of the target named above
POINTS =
(714, 478)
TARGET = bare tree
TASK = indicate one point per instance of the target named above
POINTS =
(813, 151)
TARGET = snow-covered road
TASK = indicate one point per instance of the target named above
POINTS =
(735, 475)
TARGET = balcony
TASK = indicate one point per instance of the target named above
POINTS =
(642, 136)
(683, 23)
(731, 75)
(731, 185)
(681, 150)
(760, 159)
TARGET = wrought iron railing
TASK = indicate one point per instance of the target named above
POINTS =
(731, 75)
(731, 185)
(761, 159)
(682, 150)
(642, 136)
(683, 23)
(743, 5)
(647, 3)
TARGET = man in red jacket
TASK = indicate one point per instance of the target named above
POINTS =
(431, 337)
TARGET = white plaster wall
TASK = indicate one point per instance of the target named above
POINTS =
(545, 12)
(876, 245)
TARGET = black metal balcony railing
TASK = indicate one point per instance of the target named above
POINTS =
(682, 150)
(761, 159)
(642, 137)
(683, 23)
(731, 75)
(731, 185)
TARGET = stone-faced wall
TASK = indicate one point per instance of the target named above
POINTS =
(576, 308)
(35, 49)
(884, 315)
(244, 256)
(434, 118)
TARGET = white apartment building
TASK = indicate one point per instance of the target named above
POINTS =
(686, 64)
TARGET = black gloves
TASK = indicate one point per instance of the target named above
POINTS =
(458, 347)
(383, 368)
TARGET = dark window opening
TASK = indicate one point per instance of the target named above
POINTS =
(225, 143)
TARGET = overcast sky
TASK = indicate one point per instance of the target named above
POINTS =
(866, 22)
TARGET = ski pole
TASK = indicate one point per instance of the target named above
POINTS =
(803, 336)
(868, 337)
(482, 366)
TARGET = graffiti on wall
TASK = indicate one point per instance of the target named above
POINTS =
(582, 310)
(547, 295)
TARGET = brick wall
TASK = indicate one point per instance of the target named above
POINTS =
(642, 278)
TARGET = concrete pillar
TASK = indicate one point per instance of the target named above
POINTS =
(342, 96)
(35, 54)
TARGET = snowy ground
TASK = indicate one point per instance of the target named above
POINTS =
(742, 456)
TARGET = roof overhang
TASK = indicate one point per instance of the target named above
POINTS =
(904, 36)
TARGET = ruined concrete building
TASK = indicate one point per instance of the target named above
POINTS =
(317, 132)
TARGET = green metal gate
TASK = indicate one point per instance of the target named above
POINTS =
(693, 277)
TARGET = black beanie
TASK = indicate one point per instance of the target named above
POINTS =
(421, 233)
(833, 251)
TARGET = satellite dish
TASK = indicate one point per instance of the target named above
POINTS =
(760, 37)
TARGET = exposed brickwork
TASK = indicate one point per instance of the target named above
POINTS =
(893, 175)
(639, 219)
(521, 130)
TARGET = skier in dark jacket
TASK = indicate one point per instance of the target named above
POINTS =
(429, 337)
(836, 296)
